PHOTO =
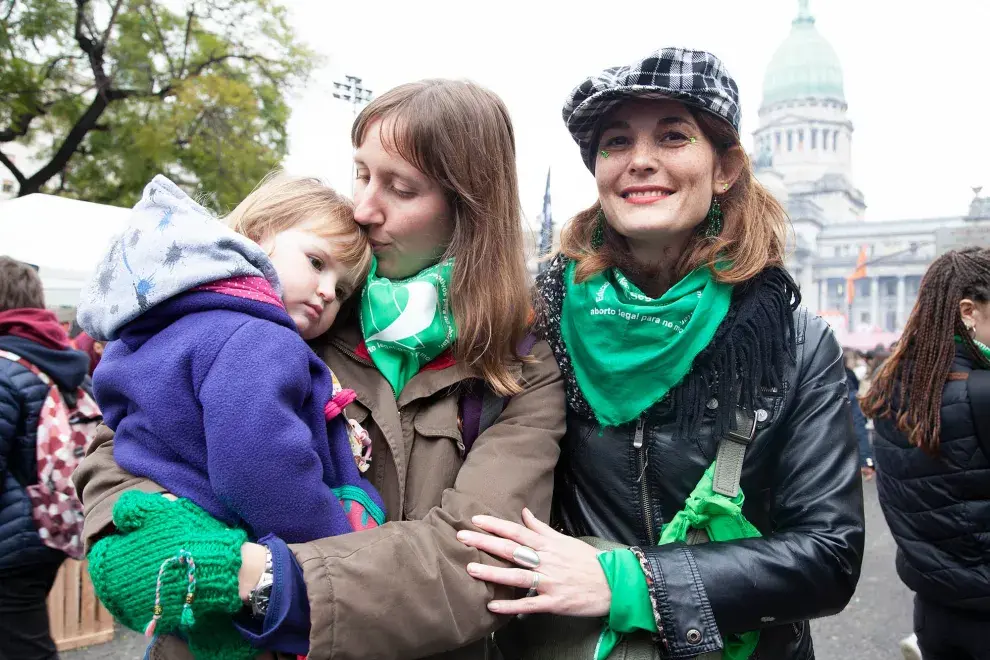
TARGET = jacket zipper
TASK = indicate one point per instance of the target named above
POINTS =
(349, 353)
(644, 491)
(357, 358)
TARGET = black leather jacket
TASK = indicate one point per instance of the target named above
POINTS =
(803, 492)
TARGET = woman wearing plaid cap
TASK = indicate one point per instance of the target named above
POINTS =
(709, 463)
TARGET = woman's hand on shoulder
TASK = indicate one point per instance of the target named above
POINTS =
(561, 573)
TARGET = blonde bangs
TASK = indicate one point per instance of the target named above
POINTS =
(351, 245)
(281, 202)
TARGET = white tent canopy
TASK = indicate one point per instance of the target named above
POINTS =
(65, 238)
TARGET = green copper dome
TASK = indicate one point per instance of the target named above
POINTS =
(804, 66)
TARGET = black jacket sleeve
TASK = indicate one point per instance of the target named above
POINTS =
(808, 566)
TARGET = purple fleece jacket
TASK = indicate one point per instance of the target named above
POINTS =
(218, 399)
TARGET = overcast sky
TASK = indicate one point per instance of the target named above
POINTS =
(917, 81)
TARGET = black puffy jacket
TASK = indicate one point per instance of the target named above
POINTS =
(800, 479)
(938, 507)
(21, 397)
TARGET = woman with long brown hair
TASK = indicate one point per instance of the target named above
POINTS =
(703, 403)
(464, 409)
(930, 402)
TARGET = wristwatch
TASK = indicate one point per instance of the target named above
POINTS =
(262, 591)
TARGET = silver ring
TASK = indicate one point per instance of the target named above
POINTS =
(536, 585)
(525, 556)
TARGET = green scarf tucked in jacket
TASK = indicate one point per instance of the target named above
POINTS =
(722, 519)
(984, 349)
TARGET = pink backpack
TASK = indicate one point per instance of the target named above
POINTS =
(64, 435)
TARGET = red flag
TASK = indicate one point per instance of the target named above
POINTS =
(857, 274)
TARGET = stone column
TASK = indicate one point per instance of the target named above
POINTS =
(808, 289)
(875, 302)
(901, 303)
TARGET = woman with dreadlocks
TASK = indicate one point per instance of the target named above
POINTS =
(930, 405)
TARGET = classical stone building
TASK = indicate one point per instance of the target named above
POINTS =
(803, 155)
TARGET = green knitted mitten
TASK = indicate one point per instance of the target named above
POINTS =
(215, 638)
(177, 550)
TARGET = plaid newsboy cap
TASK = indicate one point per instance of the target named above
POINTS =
(693, 77)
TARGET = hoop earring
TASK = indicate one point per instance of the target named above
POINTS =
(714, 219)
(598, 236)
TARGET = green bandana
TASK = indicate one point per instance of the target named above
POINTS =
(984, 349)
(407, 323)
(629, 350)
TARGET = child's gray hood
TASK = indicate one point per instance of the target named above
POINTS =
(171, 245)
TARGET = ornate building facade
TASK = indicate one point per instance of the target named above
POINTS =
(803, 156)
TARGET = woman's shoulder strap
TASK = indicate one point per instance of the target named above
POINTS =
(480, 406)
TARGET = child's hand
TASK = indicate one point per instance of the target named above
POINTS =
(172, 547)
(215, 638)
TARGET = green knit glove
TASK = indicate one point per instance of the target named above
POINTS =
(215, 638)
(196, 557)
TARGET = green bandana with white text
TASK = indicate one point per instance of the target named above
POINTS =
(407, 323)
(629, 350)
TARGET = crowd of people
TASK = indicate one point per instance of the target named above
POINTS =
(345, 429)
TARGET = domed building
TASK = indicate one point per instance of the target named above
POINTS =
(803, 156)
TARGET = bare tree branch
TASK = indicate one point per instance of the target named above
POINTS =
(92, 48)
(50, 67)
(69, 145)
(84, 42)
(161, 38)
(9, 164)
(20, 125)
(219, 59)
(113, 19)
(190, 17)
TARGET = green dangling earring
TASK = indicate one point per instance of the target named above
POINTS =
(598, 236)
(714, 219)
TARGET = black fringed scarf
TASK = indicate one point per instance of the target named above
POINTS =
(752, 348)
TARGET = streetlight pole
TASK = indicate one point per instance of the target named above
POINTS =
(352, 91)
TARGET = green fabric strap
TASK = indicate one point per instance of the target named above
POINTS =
(722, 519)
(349, 493)
(984, 349)
(631, 608)
(720, 516)
(629, 350)
(407, 323)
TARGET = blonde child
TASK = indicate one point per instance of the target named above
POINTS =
(209, 385)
